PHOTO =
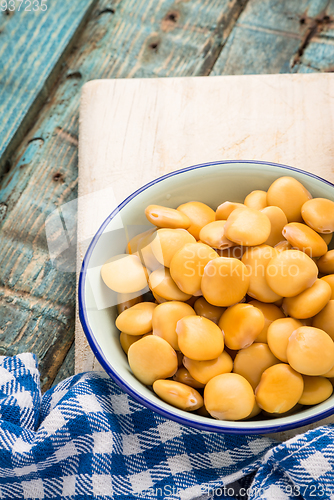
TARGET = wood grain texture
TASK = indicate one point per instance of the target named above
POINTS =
(132, 131)
(33, 45)
(127, 38)
(280, 37)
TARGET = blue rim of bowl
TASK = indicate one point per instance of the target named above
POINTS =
(120, 382)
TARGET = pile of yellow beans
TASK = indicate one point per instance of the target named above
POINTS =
(240, 318)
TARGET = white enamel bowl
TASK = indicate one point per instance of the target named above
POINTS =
(212, 184)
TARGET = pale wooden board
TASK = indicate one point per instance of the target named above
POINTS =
(132, 131)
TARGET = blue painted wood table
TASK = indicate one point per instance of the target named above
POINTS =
(48, 50)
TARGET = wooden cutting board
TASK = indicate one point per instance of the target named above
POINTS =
(134, 130)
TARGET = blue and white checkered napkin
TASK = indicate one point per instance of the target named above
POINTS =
(85, 438)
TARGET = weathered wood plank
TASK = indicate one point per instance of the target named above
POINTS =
(33, 45)
(32, 324)
(133, 38)
(318, 56)
(67, 368)
(280, 37)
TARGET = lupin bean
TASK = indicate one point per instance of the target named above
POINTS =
(270, 312)
(308, 303)
(326, 263)
(213, 235)
(179, 395)
(277, 220)
(290, 195)
(248, 227)
(225, 281)
(305, 239)
(203, 308)
(290, 272)
(327, 238)
(256, 199)
(278, 336)
(229, 397)
(140, 245)
(165, 317)
(203, 371)
(325, 319)
(167, 242)
(124, 274)
(182, 375)
(319, 215)
(310, 351)
(199, 338)
(127, 340)
(280, 389)
(199, 214)
(253, 361)
(152, 358)
(256, 259)
(226, 208)
(167, 217)
(161, 283)
(140, 240)
(330, 280)
(187, 266)
(137, 320)
(241, 324)
(283, 245)
(316, 390)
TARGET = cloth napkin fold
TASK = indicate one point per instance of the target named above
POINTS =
(85, 438)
